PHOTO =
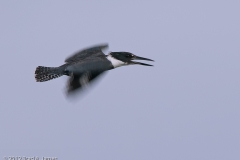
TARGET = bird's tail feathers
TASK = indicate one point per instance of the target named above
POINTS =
(43, 74)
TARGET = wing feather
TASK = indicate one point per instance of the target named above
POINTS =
(77, 82)
(88, 52)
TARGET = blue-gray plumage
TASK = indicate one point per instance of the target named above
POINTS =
(85, 65)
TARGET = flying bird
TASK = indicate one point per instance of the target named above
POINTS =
(86, 65)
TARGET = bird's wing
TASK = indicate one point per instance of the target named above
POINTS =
(88, 52)
(78, 82)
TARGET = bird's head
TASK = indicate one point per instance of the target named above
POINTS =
(125, 58)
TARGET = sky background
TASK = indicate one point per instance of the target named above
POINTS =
(185, 107)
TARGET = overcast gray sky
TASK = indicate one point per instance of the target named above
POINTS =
(185, 107)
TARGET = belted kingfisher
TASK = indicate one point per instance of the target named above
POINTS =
(87, 64)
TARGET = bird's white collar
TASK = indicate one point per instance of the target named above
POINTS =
(115, 62)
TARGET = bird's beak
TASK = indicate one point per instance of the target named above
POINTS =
(141, 58)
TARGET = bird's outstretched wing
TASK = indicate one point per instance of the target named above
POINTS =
(88, 52)
(77, 83)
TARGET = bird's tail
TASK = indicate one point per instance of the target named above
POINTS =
(43, 74)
